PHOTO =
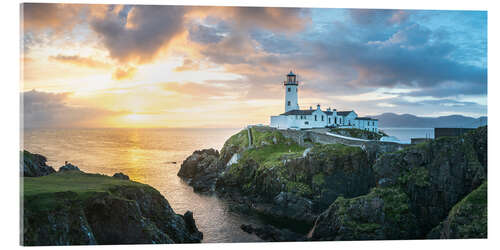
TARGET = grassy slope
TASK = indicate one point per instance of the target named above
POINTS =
(42, 193)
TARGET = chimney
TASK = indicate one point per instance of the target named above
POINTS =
(318, 107)
(310, 108)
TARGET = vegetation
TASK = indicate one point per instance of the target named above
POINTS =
(469, 217)
(238, 141)
(45, 192)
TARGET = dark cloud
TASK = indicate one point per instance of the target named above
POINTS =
(275, 42)
(204, 34)
(378, 16)
(276, 19)
(55, 16)
(50, 110)
(411, 62)
(147, 30)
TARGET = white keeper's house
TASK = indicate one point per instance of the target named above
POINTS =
(295, 118)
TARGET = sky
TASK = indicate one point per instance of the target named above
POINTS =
(189, 66)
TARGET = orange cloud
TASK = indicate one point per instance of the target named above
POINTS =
(197, 89)
(124, 73)
(80, 61)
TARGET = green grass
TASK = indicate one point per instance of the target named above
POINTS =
(336, 149)
(47, 192)
(271, 155)
(266, 137)
(239, 140)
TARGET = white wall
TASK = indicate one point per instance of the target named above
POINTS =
(291, 96)
(370, 125)
(349, 119)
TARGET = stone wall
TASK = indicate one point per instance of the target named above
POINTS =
(320, 136)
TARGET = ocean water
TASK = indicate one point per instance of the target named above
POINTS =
(151, 156)
(405, 134)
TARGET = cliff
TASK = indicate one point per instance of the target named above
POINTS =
(279, 179)
(71, 207)
(417, 188)
(345, 192)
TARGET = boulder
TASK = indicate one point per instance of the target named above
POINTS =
(34, 165)
(191, 225)
(69, 167)
(270, 233)
(121, 176)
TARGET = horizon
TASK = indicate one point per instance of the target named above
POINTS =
(432, 117)
(120, 66)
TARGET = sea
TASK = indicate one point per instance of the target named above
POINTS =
(153, 157)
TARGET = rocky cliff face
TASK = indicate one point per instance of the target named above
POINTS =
(348, 192)
(75, 208)
(201, 169)
(278, 179)
(421, 183)
(33, 165)
(468, 219)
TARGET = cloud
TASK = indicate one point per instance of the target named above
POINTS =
(57, 17)
(124, 73)
(378, 16)
(197, 89)
(204, 34)
(410, 36)
(248, 18)
(50, 110)
(80, 61)
(187, 64)
(139, 38)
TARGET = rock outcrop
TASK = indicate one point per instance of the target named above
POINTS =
(201, 169)
(75, 208)
(121, 176)
(343, 192)
(34, 165)
(276, 180)
(69, 167)
(273, 234)
(418, 186)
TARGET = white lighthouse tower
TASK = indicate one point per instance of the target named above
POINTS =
(291, 91)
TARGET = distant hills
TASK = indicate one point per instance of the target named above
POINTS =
(391, 120)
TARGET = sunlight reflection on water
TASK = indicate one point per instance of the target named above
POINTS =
(146, 155)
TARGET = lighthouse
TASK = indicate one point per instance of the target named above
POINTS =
(291, 91)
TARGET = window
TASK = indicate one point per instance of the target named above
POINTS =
(315, 117)
(288, 103)
(289, 89)
(329, 120)
(322, 118)
(306, 123)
